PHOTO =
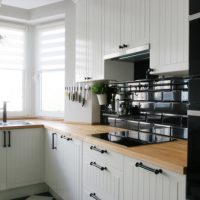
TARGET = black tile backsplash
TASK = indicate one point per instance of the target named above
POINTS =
(144, 103)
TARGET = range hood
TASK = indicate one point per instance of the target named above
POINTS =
(131, 55)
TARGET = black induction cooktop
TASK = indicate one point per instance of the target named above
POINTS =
(133, 138)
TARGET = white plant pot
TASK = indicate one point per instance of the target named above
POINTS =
(102, 98)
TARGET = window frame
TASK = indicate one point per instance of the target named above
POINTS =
(39, 71)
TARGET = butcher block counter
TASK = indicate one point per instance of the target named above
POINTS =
(169, 155)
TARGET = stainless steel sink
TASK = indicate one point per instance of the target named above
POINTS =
(15, 123)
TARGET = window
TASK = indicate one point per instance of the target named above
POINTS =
(12, 66)
(51, 69)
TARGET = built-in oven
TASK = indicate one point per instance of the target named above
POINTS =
(194, 56)
(194, 6)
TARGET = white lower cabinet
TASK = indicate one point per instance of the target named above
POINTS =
(21, 156)
(102, 179)
(2, 162)
(63, 165)
(141, 182)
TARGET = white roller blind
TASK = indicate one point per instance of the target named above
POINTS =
(12, 45)
(51, 41)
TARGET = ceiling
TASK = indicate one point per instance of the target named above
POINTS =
(28, 4)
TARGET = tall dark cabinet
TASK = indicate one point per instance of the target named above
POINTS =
(193, 170)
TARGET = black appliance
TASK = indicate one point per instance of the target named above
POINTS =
(133, 138)
(193, 168)
(194, 6)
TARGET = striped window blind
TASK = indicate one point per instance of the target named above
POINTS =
(12, 45)
(52, 47)
(51, 68)
(12, 66)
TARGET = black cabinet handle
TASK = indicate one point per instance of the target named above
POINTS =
(53, 140)
(99, 150)
(121, 47)
(93, 195)
(98, 166)
(155, 171)
(88, 78)
(9, 138)
(64, 137)
(4, 139)
(125, 46)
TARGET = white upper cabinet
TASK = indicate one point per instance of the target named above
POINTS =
(142, 183)
(169, 35)
(89, 33)
(135, 22)
(81, 41)
(126, 24)
(112, 34)
(94, 38)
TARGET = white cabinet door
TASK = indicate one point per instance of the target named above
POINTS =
(135, 22)
(69, 185)
(142, 184)
(51, 163)
(94, 38)
(2, 161)
(112, 35)
(24, 157)
(169, 35)
(81, 41)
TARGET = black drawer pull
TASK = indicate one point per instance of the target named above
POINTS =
(53, 140)
(93, 195)
(156, 171)
(99, 150)
(9, 139)
(69, 139)
(4, 139)
(98, 166)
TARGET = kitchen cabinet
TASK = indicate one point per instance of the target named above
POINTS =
(81, 70)
(89, 33)
(21, 158)
(169, 36)
(98, 33)
(142, 184)
(101, 175)
(63, 165)
(51, 159)
(126, 24)
(2, 161)
(135, 16)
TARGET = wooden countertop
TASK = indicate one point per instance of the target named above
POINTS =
(169, 155)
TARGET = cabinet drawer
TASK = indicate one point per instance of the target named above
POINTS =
(103, 155)
(145, 181)
(103, 179)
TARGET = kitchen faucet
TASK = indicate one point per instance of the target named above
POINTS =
(4, 112)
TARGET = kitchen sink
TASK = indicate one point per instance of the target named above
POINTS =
(15, 123)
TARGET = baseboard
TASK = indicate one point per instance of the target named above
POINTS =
(54, 194)
(23, 191)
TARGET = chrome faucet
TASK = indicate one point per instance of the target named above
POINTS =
(4, 111)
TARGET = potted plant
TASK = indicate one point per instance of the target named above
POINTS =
(100, 90)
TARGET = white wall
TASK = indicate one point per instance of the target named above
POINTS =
(14, 14)
(74, 112)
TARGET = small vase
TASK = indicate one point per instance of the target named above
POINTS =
(102, 98)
